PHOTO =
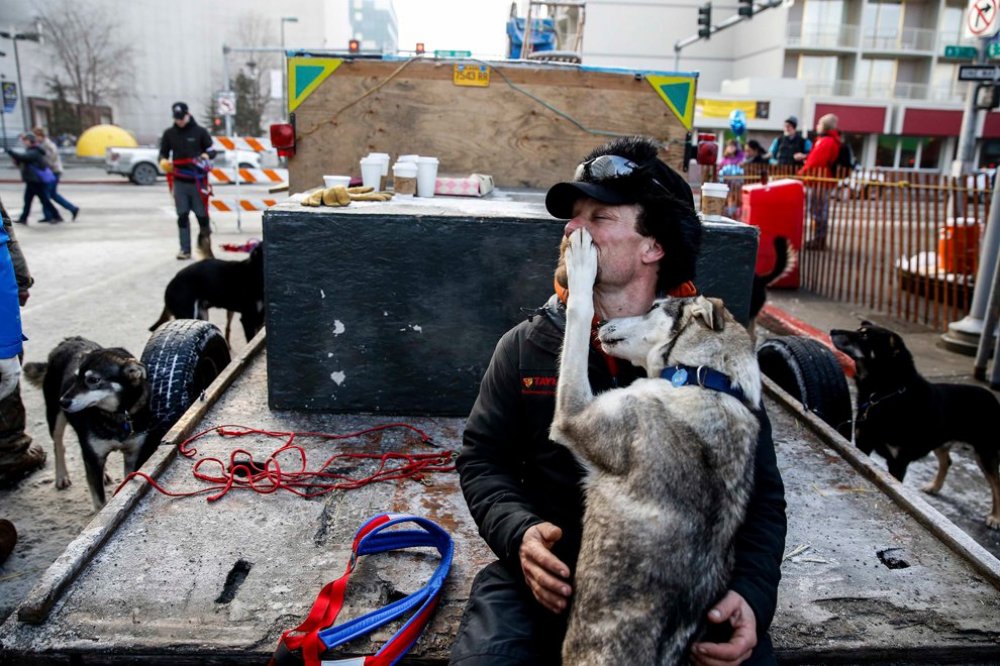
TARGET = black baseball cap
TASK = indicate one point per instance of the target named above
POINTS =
(179, 109)
(793, 121)
(624, 171)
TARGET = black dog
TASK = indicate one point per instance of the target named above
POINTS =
(903, 417)
(237, 286)
(104, 394)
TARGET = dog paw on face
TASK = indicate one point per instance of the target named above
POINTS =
(581, 262)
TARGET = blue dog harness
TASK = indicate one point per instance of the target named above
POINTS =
(318, 632)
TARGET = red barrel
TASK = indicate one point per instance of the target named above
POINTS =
(777, 208)
(958, 246)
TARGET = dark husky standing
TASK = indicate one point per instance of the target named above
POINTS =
(903, 417)
(104, 395)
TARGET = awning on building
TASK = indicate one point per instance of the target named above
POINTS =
(931, 122)
(854, 117)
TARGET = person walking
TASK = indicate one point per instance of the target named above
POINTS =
(54, 161)
(189, 148)
(791, 148)
(37, 175)
(818, 173)
(525, 492)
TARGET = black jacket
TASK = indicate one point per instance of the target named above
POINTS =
(30, 157)
(513, 476)
(788, 146)
(185, 142)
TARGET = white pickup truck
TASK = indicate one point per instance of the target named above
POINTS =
(142, 165)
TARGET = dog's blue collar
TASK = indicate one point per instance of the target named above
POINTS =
(680, 375)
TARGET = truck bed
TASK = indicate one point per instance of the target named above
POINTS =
(872, 572)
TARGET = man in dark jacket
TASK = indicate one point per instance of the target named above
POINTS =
(791, 148)
(33, 167)
(525, 492)
(190, 147)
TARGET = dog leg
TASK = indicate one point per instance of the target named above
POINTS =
(992, 474)
(94, 462)
(229, 323)
(573, 391)
(943, 455)
(59, 448)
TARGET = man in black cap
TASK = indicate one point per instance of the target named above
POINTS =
(525, 492)
(190, 147)
(791, 148)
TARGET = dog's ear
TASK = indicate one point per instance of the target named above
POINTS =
(709, 310)
(135, 372)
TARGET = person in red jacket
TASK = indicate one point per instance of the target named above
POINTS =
(819, 166)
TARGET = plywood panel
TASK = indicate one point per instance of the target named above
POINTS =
(516, 129)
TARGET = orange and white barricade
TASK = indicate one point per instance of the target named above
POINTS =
(235, 205)
(219, 176)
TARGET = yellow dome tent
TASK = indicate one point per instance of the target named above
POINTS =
(96, 139)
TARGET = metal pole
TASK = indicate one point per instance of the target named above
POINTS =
(989, 325)
(963, 335)
(229, 88)
(17, 64)
(3, 114)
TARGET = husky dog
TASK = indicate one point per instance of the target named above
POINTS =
(903, 417)
(104, 395)
(237, 286)
(669, 469)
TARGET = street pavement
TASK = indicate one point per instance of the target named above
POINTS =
(103, 277)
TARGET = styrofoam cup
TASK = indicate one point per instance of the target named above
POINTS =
(404, 178)
(408, 158)
(371, 172)
(427, 170)
(713, 198)
(334, 181)
(384, 157)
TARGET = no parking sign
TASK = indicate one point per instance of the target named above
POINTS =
(981, 18)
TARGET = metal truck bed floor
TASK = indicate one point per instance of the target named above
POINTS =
(151, 592)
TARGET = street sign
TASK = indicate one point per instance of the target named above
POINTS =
(9, 96)
(981, 18)
(225, 103)
(960, 52)
(993, 50)
(452, 54)
(978, 73)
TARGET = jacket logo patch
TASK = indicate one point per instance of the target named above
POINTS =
(539, 385)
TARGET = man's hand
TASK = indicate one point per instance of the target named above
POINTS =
(799, 157)
(166, 166)
(733, 609)
(10, 373)
(545, 573)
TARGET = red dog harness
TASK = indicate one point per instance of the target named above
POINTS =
(317, 633)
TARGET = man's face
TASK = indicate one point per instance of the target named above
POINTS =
(181, 122)
(621, 250)
(789, 128)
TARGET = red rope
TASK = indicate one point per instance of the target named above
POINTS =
(244, 473)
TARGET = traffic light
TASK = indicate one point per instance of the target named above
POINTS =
(353, 46)
(420, 48)
(705, 20)
(746, 8)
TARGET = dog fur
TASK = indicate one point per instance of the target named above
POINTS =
(237, 286)
(669, 472)
(104, 394)
(903, 417)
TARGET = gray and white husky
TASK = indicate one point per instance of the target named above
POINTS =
(669, 469)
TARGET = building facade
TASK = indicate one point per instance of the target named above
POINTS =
(880, 65)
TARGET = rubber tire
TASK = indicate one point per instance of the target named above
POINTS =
(144, 173)
(808, 371)
(182, 357)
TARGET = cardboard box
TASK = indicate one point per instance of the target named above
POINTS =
(473, 185)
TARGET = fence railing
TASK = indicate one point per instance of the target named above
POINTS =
(902, 243)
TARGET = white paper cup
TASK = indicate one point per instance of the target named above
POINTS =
(427, 170)
(404, 178)
(713, 198)
(408, 158)
(371, 172)
(334, 181)
(384, 158)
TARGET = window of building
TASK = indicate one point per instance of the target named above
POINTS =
(944, 83)
(951, 29)
(885, 152)
(818, 69)
(989, 154)
(822, 21)
(930, 153)
(881, 24)
(876, 78)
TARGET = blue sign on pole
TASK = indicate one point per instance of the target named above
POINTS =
(9, 96)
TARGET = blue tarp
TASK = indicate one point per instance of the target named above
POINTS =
(543, 35)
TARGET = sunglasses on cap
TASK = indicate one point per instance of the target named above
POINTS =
(605, 167)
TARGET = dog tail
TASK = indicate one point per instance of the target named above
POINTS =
(164, 318)
(35, 372)
(786, 259)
